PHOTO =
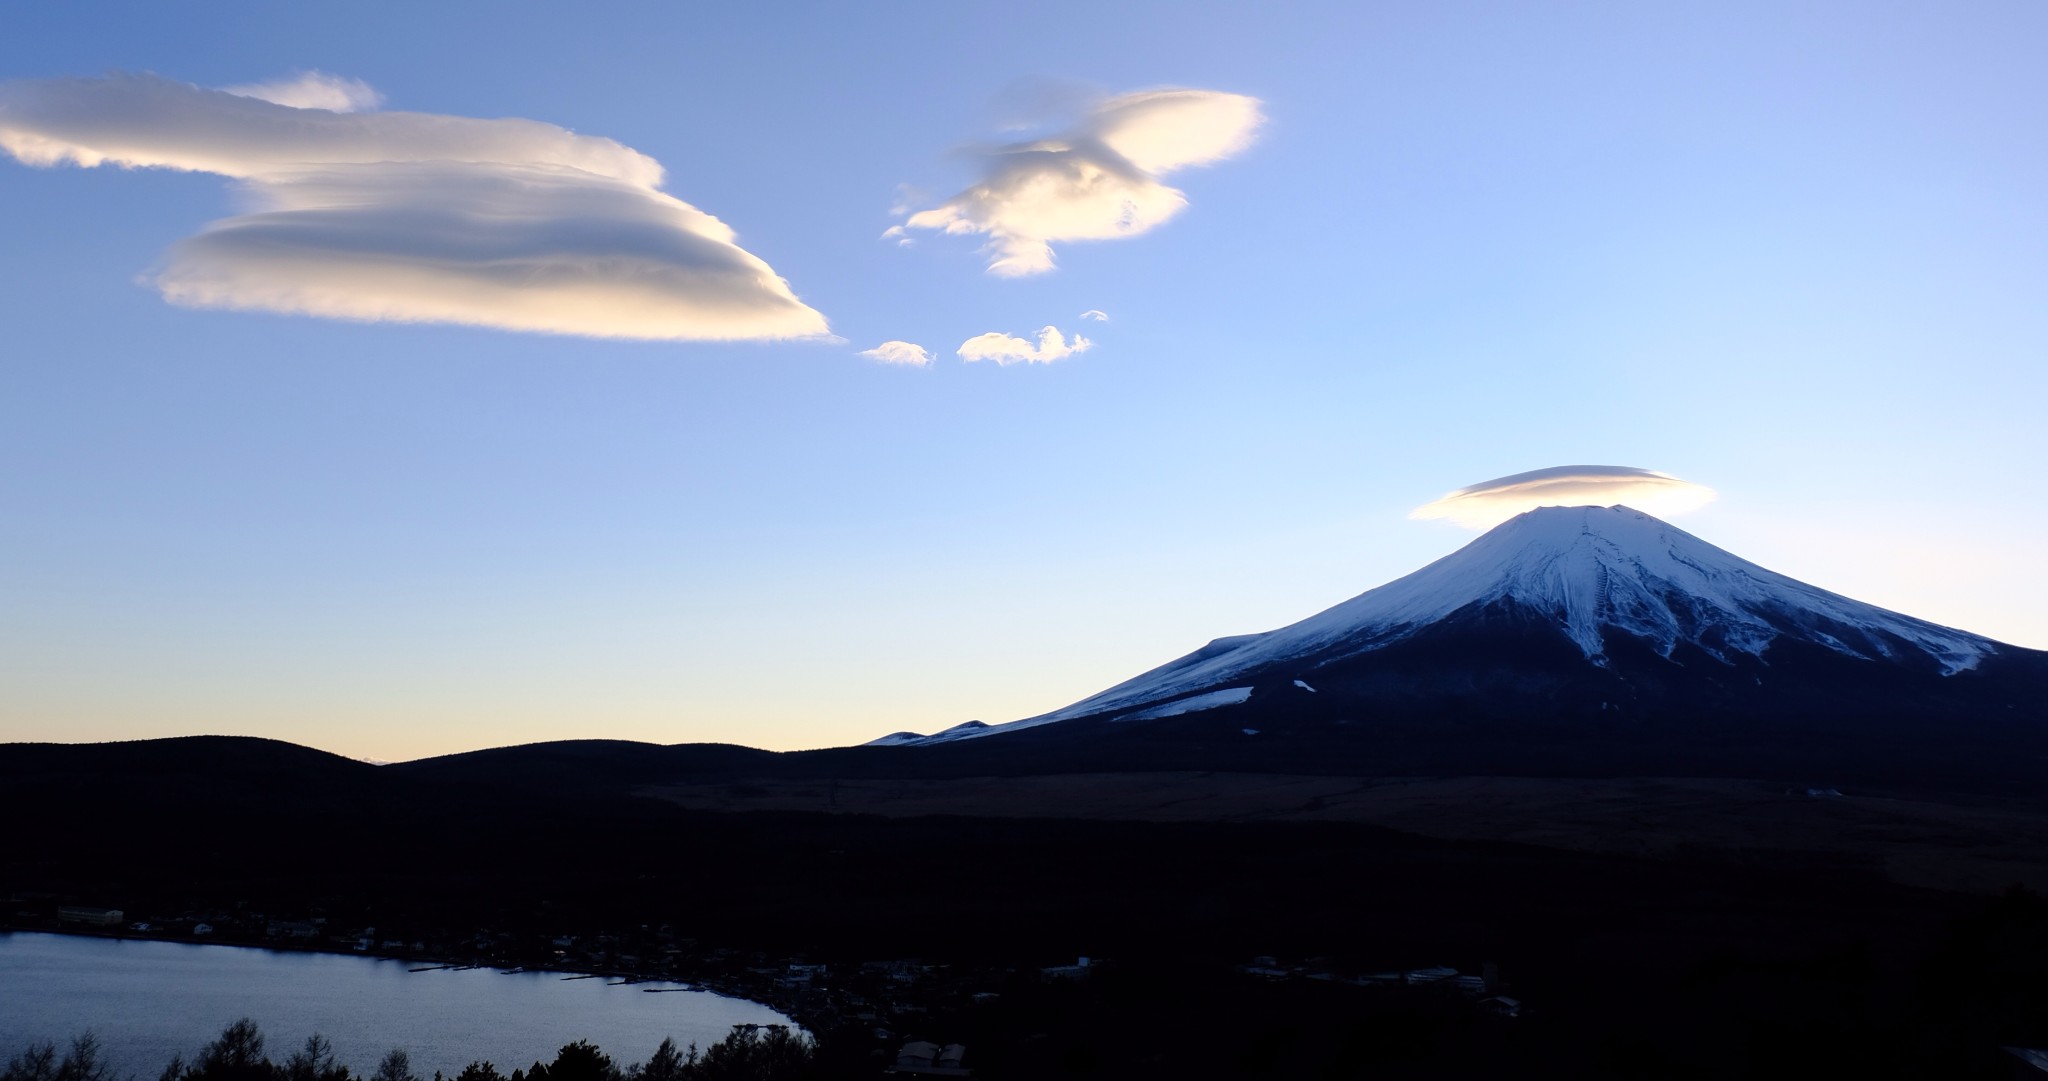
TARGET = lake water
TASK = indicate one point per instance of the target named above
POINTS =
(147, 1001)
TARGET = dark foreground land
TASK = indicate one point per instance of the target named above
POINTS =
(1733, 931)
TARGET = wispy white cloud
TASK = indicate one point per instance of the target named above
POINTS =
(1007, 349)
(313, 90)
(1096, 314)
(1099, 181)
(899, 352)
(415, 217)
(1492, 502)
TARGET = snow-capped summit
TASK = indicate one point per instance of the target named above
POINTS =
(1597, 578)
(1592, 572)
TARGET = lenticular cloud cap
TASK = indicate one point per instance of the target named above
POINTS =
(1489, 503)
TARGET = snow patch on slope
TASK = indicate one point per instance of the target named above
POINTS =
(1229, 696)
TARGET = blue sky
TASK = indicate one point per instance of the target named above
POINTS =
(1795, 256)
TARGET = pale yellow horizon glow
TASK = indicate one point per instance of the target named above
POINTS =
(844, 666)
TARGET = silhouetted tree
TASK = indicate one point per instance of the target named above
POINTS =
(668, 1064)
(756, 1053)
(82, 1062)
(579, 1061)
(38, 1062)
(396, 1065)
(315, 1062)
(236, 1056)
(748, 1053)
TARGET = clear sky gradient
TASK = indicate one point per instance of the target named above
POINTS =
(1795, 253)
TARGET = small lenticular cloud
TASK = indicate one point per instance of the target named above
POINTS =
(1096, 314)
(902, 353)
(1006, 349)
(314, 90)
(1097, 181)
(1489, 503)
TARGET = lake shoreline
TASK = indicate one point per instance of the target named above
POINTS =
(707, 984)
(374, 955)
(169, 1001)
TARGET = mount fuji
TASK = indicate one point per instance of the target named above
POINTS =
(1594, 634)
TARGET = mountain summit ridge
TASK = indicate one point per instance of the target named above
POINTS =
(1601, 568)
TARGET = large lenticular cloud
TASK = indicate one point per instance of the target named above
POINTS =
(1099, 181)
(413, 217)
(1492, 502)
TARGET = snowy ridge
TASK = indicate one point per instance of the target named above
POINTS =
(897, 739)
(963, 730)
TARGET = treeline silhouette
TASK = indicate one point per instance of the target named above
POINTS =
(747, 1053)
